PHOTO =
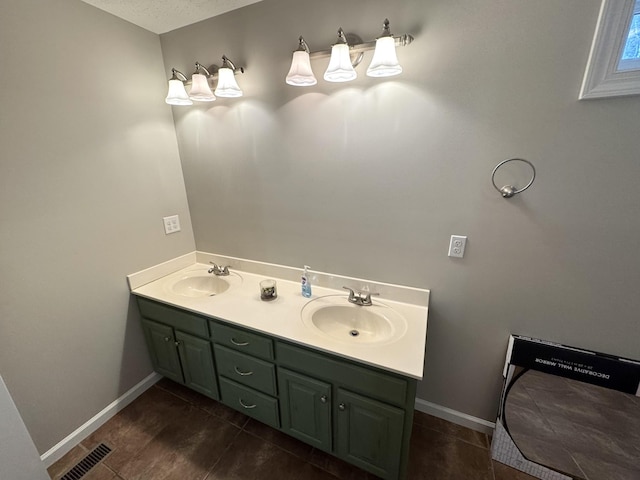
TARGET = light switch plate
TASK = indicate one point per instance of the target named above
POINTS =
(456, 246)
(171, 224)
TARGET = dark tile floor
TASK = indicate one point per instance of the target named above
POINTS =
(171, 432)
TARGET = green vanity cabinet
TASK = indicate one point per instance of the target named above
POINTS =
(305, 404)
(183, 357)
(359, 413)
(368, 412)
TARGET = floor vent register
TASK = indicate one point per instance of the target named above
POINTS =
(93, 458)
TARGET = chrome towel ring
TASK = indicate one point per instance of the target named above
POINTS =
(509, 191)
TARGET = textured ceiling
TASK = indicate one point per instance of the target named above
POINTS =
(161, 16)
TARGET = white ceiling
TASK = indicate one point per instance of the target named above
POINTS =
(161, 16)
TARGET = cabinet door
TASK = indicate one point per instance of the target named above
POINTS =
(197, 364)
(305, 406)
(162, 348)
(369, 433)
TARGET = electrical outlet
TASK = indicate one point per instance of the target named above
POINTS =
(171, 224)
(456, 246)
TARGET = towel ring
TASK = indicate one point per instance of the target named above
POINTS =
(509, 191)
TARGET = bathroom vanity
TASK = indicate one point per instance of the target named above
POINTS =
(351, 397)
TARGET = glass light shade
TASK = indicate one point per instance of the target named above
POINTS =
(227, 85)
(384, 62)
(300, 73)
(340, 68)
(177, 94)
(200, 90)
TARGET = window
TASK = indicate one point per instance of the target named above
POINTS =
(613, 68)
(630, 58)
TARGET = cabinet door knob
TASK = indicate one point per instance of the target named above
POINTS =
(323, 399)
(342, 407)
(178, 343)
(167, 339)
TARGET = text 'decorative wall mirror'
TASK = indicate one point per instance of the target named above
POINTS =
(567, 413)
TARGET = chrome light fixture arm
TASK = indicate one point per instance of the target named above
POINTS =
(202, 67)
(178, 75)
(400, 41)
(227, 63)
(302, 45)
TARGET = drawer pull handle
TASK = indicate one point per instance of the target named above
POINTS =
(239, 344)
(342, 407)
(241, 373)
(323, 399)
(246, 406)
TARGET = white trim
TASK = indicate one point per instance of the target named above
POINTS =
(56, 452)
(602, 77)
(453, 416)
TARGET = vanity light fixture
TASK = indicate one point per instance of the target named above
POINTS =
(341, 66)
(200, 84)
(177, 94)
(200, 89)
(227, 85)
(300, 73)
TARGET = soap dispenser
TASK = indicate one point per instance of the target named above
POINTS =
(305, 282)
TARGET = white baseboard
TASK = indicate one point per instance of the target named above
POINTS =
(453, 416)
(56, 452)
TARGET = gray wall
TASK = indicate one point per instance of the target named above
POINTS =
(370, 179)
(19, 459)
(89, 166)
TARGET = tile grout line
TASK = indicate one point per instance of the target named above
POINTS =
(439, 432)
(213, 467)
(291, 453)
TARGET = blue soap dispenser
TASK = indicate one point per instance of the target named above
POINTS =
(306, 283)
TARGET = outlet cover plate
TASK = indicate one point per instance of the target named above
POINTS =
(171, 224)
(456, 246)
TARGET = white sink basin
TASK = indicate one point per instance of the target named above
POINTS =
(334, 317)
(199, 283)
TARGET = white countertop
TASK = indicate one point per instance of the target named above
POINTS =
(281, 318)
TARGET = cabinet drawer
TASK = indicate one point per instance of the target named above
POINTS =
(370, 382)
(241, 340)
(247, 370)
(184, 321)
(250, 402)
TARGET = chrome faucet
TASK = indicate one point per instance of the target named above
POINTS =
(360, 298)
(219, 271)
